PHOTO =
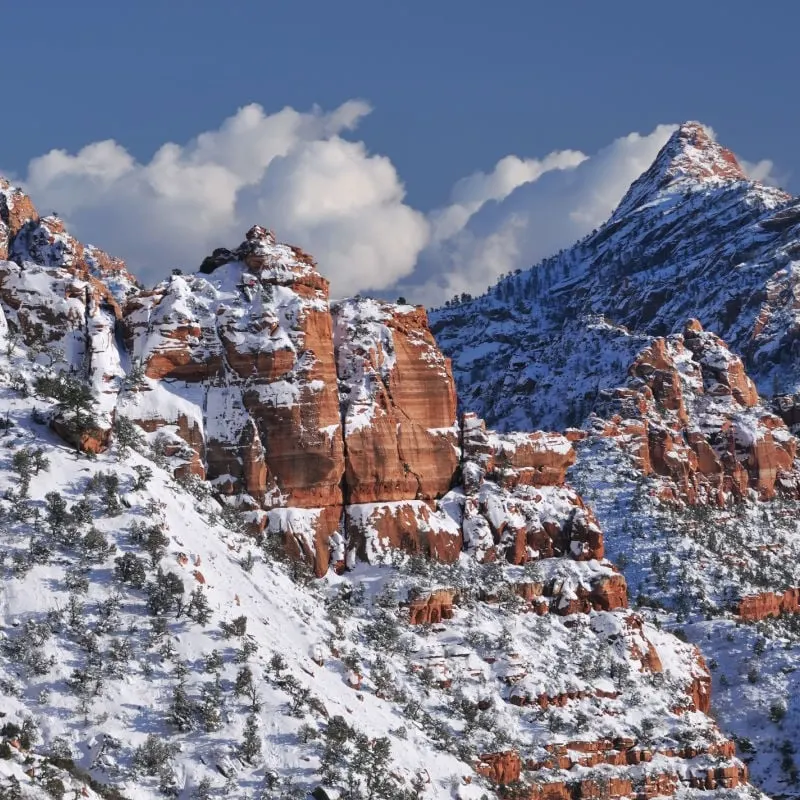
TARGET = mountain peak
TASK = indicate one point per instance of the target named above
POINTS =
(692, 152)
(691, 157)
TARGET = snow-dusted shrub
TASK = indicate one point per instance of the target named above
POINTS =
(152, 756)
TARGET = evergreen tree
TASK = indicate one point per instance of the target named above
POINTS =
(143, 476)
(128, 436)
(211, 703)
(250, 749)
(73, 397)
(181, 712)
(198, 608)
(131, 570)
(22, 462)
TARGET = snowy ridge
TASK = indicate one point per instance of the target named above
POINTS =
(551, 337)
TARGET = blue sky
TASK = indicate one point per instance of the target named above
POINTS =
(454, 86)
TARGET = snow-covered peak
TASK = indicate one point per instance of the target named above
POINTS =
(269, 260)
(690, 159)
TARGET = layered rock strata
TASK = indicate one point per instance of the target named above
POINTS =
(690, 415)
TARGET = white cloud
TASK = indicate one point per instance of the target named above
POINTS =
(295, 173)
(763, 171)
(564, 198)
(470, 194)
(289, 170)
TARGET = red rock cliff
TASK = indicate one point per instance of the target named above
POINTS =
(691, 415)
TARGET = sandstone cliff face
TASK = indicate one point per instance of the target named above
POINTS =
(239, 364)
(691, 415)
(755, 607)
(398, 406)
(398, 400)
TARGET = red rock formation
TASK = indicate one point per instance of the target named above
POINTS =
(700, 689)
(412, 526)
(95, 440)
(431, 607)
(256, 340)
(753, 608)
(606, 594)
(306, 533)
(528, 459)
(399, 403)
(718, 364)
(691, 415)
(510, 480)
(501, 768)
(16, 209)
(609, 593)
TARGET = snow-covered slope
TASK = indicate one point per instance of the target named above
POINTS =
(162, 632)
(106, 643)
(695, 483)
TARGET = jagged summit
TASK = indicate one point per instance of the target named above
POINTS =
(27, 237)
(691, 157)
(261, 253)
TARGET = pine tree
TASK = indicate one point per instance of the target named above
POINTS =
(198, 609)
(22, 463)
(39, 461)
(203, 790)
(245, 685)
(180, 710)
(56, 510)
(73, 396)
(136, 378)
(155, 544)
(250, 749)
(213, 661)
(211, 705)
(237, 627)
(131, 570)
(244, 680)
(143, 476)
(128, 436)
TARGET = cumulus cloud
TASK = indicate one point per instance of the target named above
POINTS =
(290, 170)
(470, 194)
(763, 171)
(303, 174)
(525, 211)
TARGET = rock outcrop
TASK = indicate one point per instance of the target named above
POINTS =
(515, 503)
(239, 364)
(501, 768)
(16, 209)
(755, 607)
(690, 415)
